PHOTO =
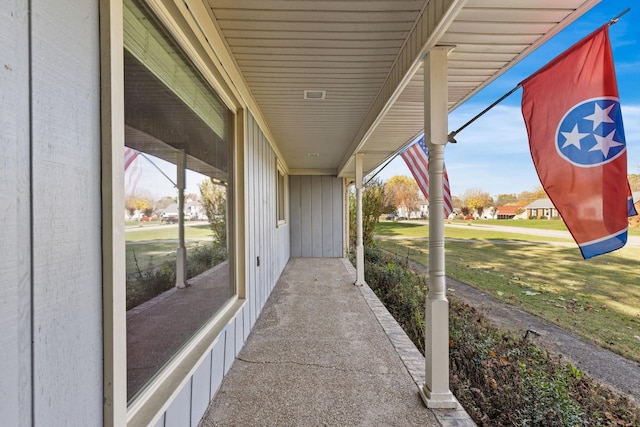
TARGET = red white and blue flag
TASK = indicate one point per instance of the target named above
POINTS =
(132, 170)
(417, 159)
(573, 118)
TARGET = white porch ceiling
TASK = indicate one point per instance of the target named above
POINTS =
(366, 55)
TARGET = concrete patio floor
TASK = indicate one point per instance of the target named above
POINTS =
(325, 352)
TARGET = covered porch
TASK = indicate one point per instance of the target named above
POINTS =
(326, 352)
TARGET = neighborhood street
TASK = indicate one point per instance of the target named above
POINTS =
(632, 241)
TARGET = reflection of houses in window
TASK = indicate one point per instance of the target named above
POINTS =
(172, 114)
(542, 208)
(510, 212)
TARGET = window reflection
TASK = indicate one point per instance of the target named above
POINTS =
(177, 204)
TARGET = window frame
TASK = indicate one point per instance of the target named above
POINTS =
(150, 405)
(282, 198)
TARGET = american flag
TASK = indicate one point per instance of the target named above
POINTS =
(132, 170)
(417, 159)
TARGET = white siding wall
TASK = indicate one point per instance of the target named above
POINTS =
(50, 239)
(263, 239)
(15, 234)
(316, 216)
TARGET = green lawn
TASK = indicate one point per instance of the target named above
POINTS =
(598, 299)
(403, 229)
(155, 246)
(168, 232)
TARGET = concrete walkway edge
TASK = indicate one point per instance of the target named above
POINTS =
(411, 357)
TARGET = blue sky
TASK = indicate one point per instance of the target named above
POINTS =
(493, 153)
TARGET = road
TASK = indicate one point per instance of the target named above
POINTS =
(146, 226)
(632, 241)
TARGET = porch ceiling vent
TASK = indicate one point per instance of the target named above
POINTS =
(315, 94)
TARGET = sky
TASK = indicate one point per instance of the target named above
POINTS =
(492, 154)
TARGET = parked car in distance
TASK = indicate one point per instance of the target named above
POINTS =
(169, 218)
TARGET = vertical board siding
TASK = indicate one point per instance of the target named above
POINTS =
(179, 412)
(229, 346)
(200, 390)
(217, 364)
(316, 215)
(338, 217)
(66, 182)
(15, 237)
(160, 422)
(305, 214)
(295, 219)
(327, 220)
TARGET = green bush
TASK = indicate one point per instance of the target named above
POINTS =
(499, 378)
(146, 284)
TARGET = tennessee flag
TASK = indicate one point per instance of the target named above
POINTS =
(572, 113)
(417, 159)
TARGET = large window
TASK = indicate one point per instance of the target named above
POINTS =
(178, 161)
(281, 193)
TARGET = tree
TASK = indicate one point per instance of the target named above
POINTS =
(506, 199)
(372, 202)
(527, 197)
(402, 192)
(134, 203)
(634, 182)
(456, 202)
(476, 200)
(165, 201)
(214, 200)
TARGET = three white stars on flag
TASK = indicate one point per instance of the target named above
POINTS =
(603, 143)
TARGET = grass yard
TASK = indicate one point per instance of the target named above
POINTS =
(152, 247)
(598, 299)
(404, 229)
(168, 232)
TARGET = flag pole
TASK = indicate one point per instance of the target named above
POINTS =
(451, 136)
(159, 170)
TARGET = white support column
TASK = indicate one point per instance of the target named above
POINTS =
(435, 392)
(181, 261)
(359, 241)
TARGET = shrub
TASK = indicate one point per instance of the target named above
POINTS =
(499, 378)
(146, 284)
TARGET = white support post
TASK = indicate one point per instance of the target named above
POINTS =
(435, 392)
(359, 240)
(181, 261)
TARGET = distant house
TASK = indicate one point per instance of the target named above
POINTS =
(509, 212)
(542, 208)
(488, 213)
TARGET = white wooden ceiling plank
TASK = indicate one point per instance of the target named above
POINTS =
(512, 15)
(320, 50)
(315, 43)
(257, 57)
(249, 65)
(482, 38)
(492, 48)
(335, 5)
(525, 4)
(327, 27)
(348, 73)
(253, 34)
(312, 83)
(471, 56)
(475, 27)
(318, 16)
